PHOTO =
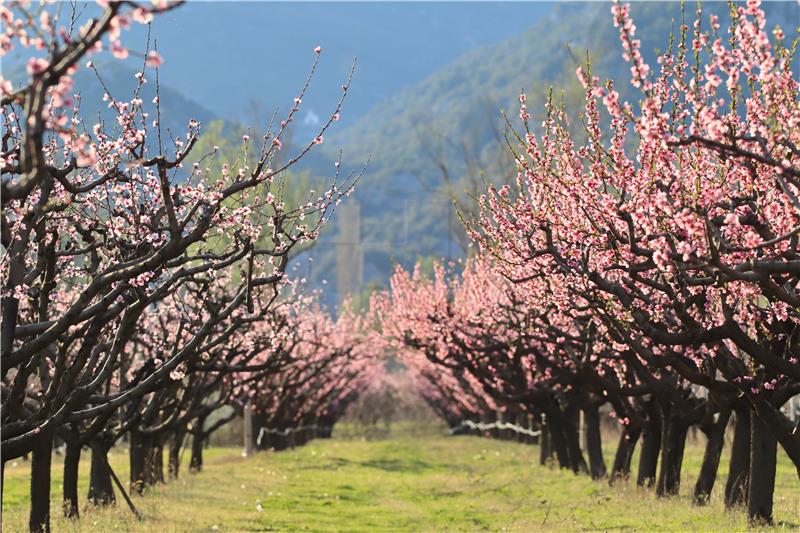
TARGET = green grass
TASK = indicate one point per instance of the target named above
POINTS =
(406, 483)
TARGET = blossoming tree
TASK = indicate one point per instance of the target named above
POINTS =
(676, 225)
(124, 267)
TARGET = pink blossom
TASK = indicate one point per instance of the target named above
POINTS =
(37, 66)
(154, 60)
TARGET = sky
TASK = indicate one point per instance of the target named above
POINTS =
(229, 55)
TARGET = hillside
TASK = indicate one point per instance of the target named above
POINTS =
(461, 98)
(428, 138)
(119, 78)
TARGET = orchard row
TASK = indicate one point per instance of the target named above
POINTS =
(648, 266)
(144, 277)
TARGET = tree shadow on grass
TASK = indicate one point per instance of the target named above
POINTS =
(397, 465)
(414, 466)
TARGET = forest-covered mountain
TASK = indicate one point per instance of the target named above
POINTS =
(428, 138)
(120, 81)
(231, 56)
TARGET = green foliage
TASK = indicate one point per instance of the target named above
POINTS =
(359, 301)
(221, 150)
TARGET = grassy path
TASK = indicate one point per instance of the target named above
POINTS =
(402, 484)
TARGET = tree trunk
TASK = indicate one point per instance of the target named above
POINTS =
(259, 426)
(155, 461)
(139, 451)
(278, 440)
(739, 468)
(572, 437)
(557, 439)
(101, 491)
(545, 451)
(651, 446)
(42, 453)
(174, 462)
(673, 444)
(196, 462)
(522, 421)
(508, 417)
(487, 418)
(594, 443)
(624, 455)
(763, 452)
(72, 459)
(708, 470)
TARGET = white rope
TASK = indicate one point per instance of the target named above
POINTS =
(481, 426)
(284, 432)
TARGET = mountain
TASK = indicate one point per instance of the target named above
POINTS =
(229, 55)
(176, 108)
(428, 136)
(458, 97)
(119, 79)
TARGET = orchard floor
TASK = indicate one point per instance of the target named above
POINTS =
(404, 483)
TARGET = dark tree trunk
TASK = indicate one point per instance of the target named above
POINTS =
(508, 417)
(522, 421)
(763, 451)
(300, 437)
(708, 471)
(739, 468)
(651, 446)
(573, 440)
(72, 459)
(259, 422)
(41, 459)
(155, 462)
(196, 462)
(545, 451)
(594, 443)
(673, 444)
(139, 451)
(533, 424)
(175, 453)
(488, 418)
(101, 491)
(266, 440)
(198, 436)
(624, 455)
(558, 440)
(279, 440)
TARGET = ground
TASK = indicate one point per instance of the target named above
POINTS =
(404, 483)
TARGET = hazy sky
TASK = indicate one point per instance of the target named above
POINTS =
(226, 54)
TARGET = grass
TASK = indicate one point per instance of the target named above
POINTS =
(405, 483)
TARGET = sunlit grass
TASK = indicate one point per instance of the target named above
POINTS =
(407, 483)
